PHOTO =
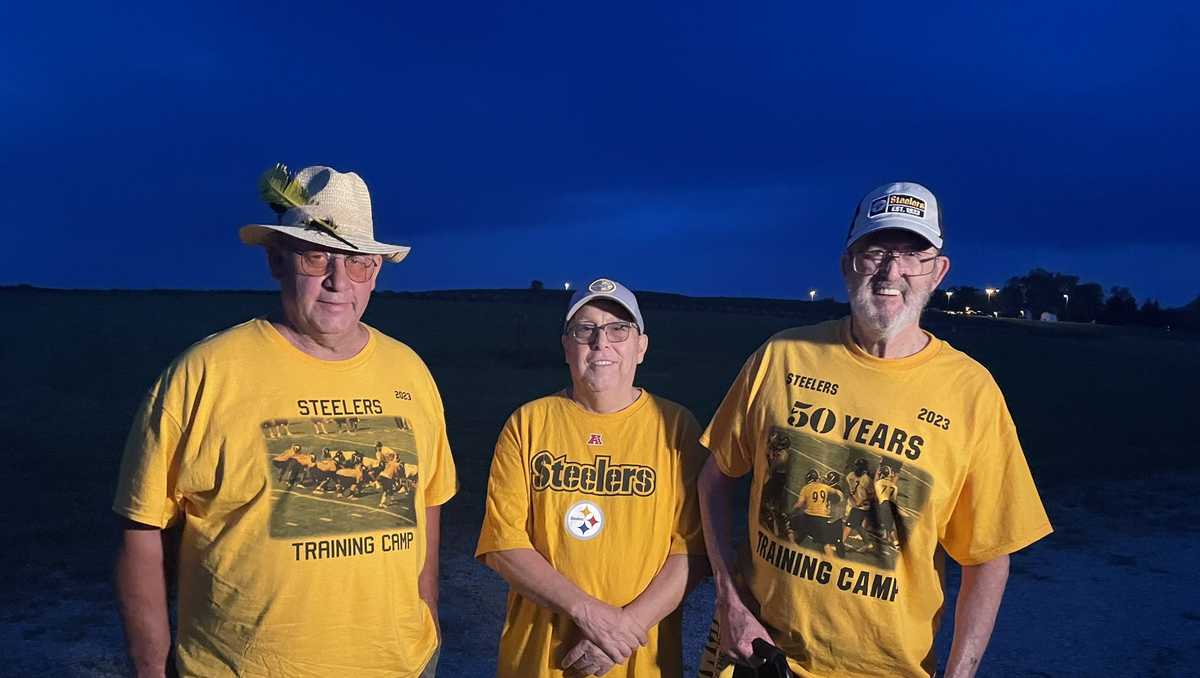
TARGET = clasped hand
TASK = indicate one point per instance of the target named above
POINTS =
(610, 635)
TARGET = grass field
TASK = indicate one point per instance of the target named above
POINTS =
(1092, 404)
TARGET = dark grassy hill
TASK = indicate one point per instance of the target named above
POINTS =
(1086, 398)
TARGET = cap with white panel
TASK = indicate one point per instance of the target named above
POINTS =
(903, 205)
(604, 288)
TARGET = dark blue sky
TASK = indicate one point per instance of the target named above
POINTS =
(703, 148)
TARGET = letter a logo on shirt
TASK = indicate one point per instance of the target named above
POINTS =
(584, 520)
(595, 439)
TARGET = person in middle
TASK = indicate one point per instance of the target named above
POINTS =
(592, 514)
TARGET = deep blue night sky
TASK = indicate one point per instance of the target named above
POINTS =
(714, 149)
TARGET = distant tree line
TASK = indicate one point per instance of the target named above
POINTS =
(1063, 295)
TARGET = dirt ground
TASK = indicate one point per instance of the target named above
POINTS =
(1110, 592)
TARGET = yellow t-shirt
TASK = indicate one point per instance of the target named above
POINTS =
(605, 498)
(938, 419)
(278, 577)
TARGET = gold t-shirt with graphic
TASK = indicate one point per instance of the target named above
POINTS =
(937, 420)
(301, 563)
(605, 499)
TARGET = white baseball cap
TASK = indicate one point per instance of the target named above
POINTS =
(905, 205)
(603, 288)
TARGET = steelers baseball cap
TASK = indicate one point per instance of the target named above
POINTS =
(905, 205)
(603, 288)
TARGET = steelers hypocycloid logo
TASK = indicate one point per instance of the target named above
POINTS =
(878, 206)
(602, 285)
(584, 520)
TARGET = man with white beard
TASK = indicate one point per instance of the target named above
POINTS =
(866, 390)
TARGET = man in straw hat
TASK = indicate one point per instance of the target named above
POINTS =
(866, 392)
(272, 580)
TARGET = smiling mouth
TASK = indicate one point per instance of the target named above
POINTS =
(602, 363)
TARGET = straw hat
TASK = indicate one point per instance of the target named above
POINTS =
(323, 206)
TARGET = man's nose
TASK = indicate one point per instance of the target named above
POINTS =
(336, 277)
(599, 339)
(889, 268)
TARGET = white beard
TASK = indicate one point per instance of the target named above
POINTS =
(880, 323)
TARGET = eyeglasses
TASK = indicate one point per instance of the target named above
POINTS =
(870, 261)
(320, 263)
(614, 332)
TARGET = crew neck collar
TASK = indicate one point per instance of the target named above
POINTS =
(628, 410)
(927, 353)
(272, 335)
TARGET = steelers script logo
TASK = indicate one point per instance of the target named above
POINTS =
(584, 520)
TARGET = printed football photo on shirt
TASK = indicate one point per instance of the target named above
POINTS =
(840, 500)
(340, 475)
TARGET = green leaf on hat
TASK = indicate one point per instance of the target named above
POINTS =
(279, 189)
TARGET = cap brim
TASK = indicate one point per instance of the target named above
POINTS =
(637, 317)
(899, 223)
(260, 234)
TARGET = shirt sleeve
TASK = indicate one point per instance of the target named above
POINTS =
(687, 536)
(147, 484)
(998, 509)
(726, 435)
(506, 510)
(442, 476)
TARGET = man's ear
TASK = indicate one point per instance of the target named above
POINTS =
(844, 264)
(275, 263)
(941, 268)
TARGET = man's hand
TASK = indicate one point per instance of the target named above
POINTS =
(616, 632)
(586, 659)
(738, 630)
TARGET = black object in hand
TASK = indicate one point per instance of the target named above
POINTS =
(774, 663)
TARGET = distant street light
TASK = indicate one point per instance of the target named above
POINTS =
(990, 291)
(1066, 305)
(812, 295)
(567, 286)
